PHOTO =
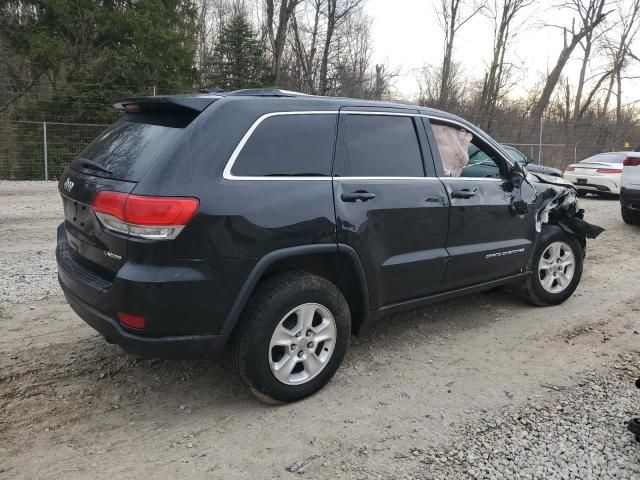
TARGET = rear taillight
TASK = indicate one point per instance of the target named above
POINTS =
(631, 162)
(570, 168)
(609, 170)
(157, 218)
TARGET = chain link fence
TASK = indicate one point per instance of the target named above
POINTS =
(32, 150)
(42, 130)
(42, 150)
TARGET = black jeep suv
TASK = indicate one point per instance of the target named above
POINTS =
(278, 224)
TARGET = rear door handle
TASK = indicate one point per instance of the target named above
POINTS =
(464, 193)
(357, 196)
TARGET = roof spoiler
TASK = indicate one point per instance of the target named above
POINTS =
(174, 103)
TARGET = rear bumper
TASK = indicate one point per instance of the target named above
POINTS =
(185, 304)
(600, 183)
(188, 346)
(630, 198)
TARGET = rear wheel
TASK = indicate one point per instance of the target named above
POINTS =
(293, 337)
(629, 216)
(556, 268)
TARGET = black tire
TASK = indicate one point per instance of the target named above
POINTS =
(272, 300)
(532, 289)
(629, 216)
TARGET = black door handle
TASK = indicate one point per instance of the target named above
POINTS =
(357, 196)
(464, 193)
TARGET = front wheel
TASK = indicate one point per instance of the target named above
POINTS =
(556, 268)
(292, 337)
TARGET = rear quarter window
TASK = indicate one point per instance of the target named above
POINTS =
(288, 145)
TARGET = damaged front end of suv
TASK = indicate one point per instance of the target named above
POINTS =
(559, 206)
(560, 230)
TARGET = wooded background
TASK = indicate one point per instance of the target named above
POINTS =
(63, 63)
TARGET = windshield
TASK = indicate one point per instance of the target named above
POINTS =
(515, 154)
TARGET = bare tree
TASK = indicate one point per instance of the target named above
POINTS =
(430, 83)
(277, 32)
(212, 15)
(587, 16)
(337, 11)
(592, 15)
(352, 73)
(305, 42)
(619, 52)
(502, 14)
(452, 17)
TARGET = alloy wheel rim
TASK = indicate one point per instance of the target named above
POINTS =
(302, 344)
(556, 267)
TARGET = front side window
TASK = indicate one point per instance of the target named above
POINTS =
(380, 146)
(464, 155)
(289, 145)
(482, 163)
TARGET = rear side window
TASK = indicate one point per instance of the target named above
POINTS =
(380, 146)
(289, 145)
(129, 147)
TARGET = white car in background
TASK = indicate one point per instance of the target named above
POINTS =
(630, 191)
(598, 174)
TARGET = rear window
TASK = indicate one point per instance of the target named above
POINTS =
(289, 145)
(380, 146)
(129, 147)
(606, 157)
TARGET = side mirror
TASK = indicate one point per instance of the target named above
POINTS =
(518, 170)
(528, 160)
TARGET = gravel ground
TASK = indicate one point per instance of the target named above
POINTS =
(27, 266)
(480, 387)
(576, 433)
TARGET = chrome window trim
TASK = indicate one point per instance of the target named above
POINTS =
(227, 175)
(236, 152)
(386, 178)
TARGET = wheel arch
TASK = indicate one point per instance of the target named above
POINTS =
(338, 264)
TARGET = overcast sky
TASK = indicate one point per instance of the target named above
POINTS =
(406, 34)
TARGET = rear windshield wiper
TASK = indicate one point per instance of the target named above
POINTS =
(91, 165)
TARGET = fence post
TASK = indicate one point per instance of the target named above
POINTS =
(540, 143)
(44, 138)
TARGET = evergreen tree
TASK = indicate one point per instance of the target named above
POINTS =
(91, 52)
(238, 59)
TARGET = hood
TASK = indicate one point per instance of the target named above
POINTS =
(534, 168)
(551, 180)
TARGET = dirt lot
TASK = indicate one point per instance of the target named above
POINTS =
(72, 406)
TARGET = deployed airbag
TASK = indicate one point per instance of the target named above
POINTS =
(453, 145)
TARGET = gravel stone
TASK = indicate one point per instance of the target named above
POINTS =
(549, 440)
